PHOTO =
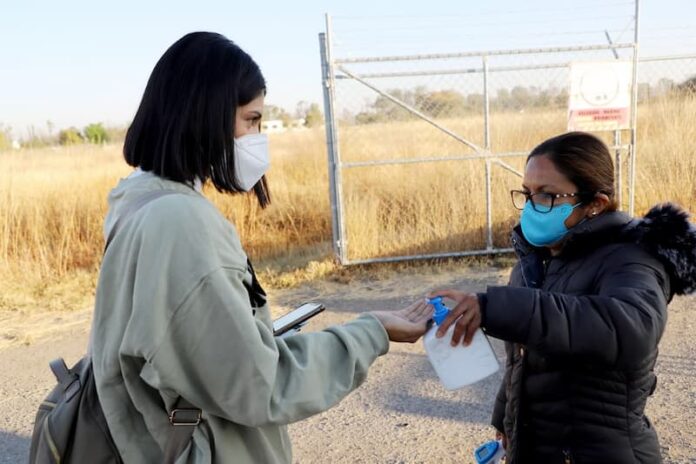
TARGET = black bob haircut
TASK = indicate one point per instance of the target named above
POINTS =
(184, 126)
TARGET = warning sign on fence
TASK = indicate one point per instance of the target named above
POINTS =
(600, 96)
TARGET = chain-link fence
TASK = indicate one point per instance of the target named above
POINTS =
(423, 149)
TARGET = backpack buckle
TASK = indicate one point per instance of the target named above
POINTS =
(183, 417)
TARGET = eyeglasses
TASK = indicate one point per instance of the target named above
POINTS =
(542, 202)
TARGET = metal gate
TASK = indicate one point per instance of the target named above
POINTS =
(486, 65)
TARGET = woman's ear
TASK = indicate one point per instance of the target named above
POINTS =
(598, 205)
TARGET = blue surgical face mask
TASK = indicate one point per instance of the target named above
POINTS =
(543, 229)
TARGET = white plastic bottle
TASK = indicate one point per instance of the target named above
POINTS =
(458, 366)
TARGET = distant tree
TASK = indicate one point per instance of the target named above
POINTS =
(474, 102)
(543, 99)
(520, 97)
(70, 136)
(443, 103)
(384, 109)
(37, 138)
(301, 109)
(116, 133)
(5, 137)
(49, 138)
(502, 99)
(367, 117)
(561, 99)
(313, 116)
(688, 86)
(451, 103)
(272, 112)
(96, 134)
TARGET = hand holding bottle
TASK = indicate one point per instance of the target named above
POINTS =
(466, 315)
(455, 365)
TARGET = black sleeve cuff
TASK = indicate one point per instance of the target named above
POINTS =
(483, 302)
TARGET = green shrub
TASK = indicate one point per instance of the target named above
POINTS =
(70, 136)
(95, 133)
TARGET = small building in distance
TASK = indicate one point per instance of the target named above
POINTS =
(277, 125)
(298, 123)
(272, 125)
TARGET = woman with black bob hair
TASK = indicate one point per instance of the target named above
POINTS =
(182, 332)
(583, 313)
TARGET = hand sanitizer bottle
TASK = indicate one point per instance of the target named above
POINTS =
(458, 366)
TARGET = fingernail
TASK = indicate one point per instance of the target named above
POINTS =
(454, 343)
(439, 334)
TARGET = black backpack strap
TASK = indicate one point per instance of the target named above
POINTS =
(257, 295)
(183, 418)
(61, 371)
(69, 381)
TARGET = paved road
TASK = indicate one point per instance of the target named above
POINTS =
(401, 414)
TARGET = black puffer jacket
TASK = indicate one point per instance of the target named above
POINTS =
(584, 328)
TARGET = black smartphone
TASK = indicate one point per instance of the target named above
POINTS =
(296, 317)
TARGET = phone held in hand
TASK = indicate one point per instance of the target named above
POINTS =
(296, 318)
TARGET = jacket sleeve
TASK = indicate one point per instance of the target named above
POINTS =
(221, 358)
(619, 324)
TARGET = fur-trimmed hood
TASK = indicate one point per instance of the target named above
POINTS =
(665, 232)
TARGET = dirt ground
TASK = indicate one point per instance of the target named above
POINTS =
(400, 415)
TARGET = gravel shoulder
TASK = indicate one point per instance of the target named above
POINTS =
(400, 415)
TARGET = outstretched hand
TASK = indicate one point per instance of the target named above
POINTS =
(466, 314)
(408, 324)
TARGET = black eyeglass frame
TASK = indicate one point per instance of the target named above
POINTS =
(553, 196)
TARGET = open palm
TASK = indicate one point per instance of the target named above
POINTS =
(408, 324)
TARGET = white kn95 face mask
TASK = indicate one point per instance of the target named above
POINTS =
(251, 159)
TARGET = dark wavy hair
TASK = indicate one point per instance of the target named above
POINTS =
(184, 126)
(585, 160)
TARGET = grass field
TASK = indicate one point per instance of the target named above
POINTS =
(52, 201)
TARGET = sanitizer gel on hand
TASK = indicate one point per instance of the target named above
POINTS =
(458, 366)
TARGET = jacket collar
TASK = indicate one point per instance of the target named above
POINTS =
(665, 232)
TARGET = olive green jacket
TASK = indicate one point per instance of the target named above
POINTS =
(174, 317)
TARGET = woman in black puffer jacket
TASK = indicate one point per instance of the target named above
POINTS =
(583, 313)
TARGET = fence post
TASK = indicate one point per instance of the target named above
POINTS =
(489, 207)
(634, 115)
(619, 169)
(334, 163)
(486, 107)
(487, 147)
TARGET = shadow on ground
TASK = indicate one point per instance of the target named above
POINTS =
(13, 448)
(471, 404)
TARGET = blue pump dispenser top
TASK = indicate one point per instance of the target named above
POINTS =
(441, 311)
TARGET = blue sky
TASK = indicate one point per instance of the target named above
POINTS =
(78, 62)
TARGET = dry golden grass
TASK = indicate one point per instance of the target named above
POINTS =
(422, 208)
(52, 201)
